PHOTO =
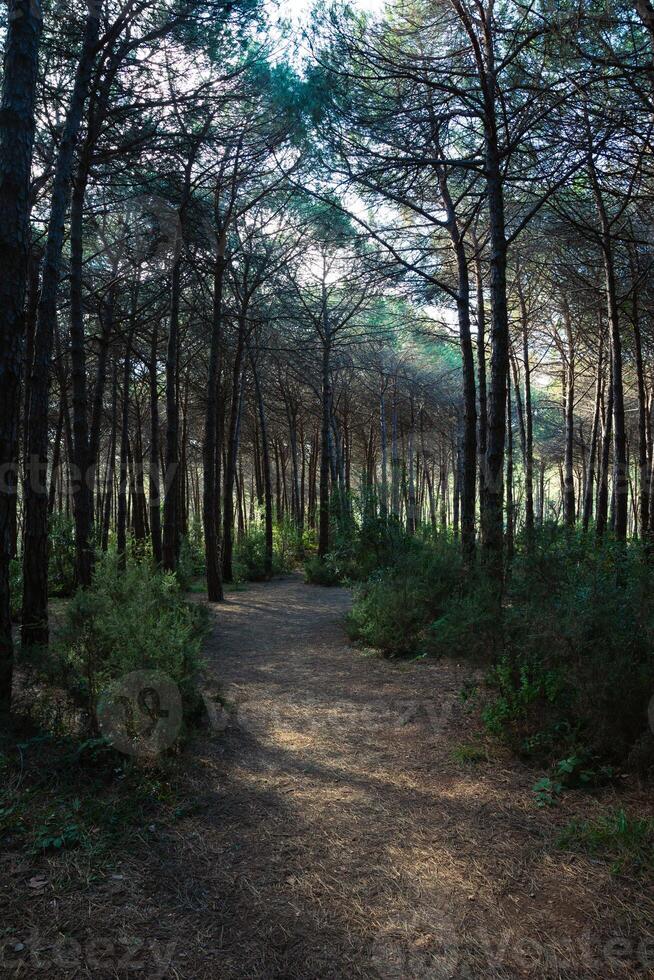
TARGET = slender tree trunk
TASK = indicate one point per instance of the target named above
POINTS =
(325, 448)
(482, 427)
(154, 475)
(16, 143)
(592, 453)
(111, 463)
(620, 481)
(383, 497)
(141, 524)
(467, 479)
(209, 487)
(56, 454)
(493, 531)
(232, 451)
(568, 476)
(395, 458)
(267, 481)
(529, 427)
(411, 500)
(171, 517)
(83, 496)
(510, 515)
(603, 492)
(494, 489)
(121, 529)
(35, 556)
(643, 503)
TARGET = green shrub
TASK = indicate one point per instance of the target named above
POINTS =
(249, 556)
(249, 563)
(393, 609)
(321, 571)
(525, 692)
(129, 620)
(586, 616)
(290, 545)
(191, 562)
(470, 625)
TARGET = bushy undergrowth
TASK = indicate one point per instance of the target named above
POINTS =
(579, 645)
(129, 619)
(570, 649)
(361, 545)
(191, 563)
(60, 793)
(393, 609)
(289, 545)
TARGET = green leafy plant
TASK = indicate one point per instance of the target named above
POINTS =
(583, 771)
(546, 791)
(52, 837)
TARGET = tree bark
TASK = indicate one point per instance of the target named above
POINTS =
(592, 453)
(232, 450)
(16, 144)
(171, 530)
(35, 556)
(210, 489)
(154, 474)
(603, 492)
(568, 475)
(325, 440)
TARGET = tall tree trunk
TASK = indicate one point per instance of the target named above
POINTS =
(603, 492)
(267, 480)
(16, 143)
(325, 447)
(111, 463)
(467, 479)
(482, 427)
(620, 481)
(171, 528)
(568, 476)
(510, 514)
(643, 503)
(35, 556)
(528, 423)
(232, 450)
(383, 496)
(154, 475)
(121, 529)
(83, 495)
(395, 457)
(209, 486)
(411, 499)
(592, 453)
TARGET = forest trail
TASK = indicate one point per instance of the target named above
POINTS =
(342, 839)
(347, 820)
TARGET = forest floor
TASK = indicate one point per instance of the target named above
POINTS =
(349, 820)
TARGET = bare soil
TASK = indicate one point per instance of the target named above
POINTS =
(339, 834)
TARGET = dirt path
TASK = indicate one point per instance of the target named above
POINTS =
(338, 833)
(346, 841)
